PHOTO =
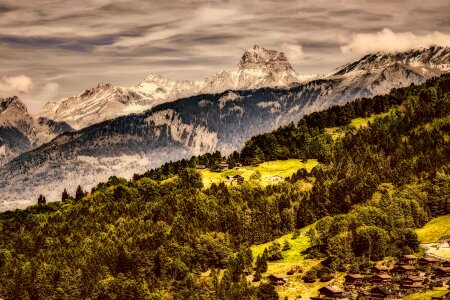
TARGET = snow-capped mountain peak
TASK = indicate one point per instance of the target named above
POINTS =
(257, 68)
(260, 58)
(434, 59)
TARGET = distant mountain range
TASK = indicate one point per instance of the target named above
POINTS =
(250, 105)
(257, 68)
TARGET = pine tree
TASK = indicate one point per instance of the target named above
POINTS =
(79, 193)
(42, 200)
(65, 195)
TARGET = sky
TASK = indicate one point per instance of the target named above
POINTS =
(51, 49)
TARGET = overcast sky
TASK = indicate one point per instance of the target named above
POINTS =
(51, 49)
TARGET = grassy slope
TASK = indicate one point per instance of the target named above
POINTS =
(435, 230)
(339, 132)
(283, 168)
(427, 295)
(292, 258)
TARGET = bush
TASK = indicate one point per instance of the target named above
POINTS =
(286, 245)
(296, 234)
(326, 277)
(310, 276)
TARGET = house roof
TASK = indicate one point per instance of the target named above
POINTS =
(409, 256)
(413, 278)
(381, 268)
(383, 276)
(356, 276)
(429, 259)
(380, 290)
(405, 267)
(331, 289)
(277, 277)
(444, 269)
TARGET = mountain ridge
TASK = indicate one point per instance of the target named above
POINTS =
(21, 132)
(185, 127)
(257, 68)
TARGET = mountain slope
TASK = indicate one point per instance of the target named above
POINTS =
(20, 132)
(258, 68)
(151, 239)
(191, 126)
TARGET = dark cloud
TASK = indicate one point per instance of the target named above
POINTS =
(76, 43)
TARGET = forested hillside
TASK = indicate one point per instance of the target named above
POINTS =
(147, 239)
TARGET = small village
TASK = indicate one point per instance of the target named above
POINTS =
(394, 279)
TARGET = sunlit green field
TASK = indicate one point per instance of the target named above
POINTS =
(364, 122)
(264, 173)
(292, 258)
(435, 230)
(427, 295)
(339, 132)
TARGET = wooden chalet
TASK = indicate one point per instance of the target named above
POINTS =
(380, 293)
(381, 279)
(224, 165)
(354, 279)
(404, 270)
(379, 270)
(237, 178)
(331, 292)
(412, 282)
(407, 260)
(277, 280)
(428, 262)
(442, 272)
(200, 167)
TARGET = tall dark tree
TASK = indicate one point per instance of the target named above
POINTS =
(65, 195)
(79, 193)
(42, 200)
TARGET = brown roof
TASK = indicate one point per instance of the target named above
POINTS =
(356, 276)
(277, 277)
(380, 290)
(331, 289)
(383, 276)
(413, 278)
(429, 259)
(381, 268)
(444, 269)
(405, 267)
(409, 256)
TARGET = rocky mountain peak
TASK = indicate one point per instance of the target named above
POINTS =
(155, 78)
(12, 102)
(261, 58)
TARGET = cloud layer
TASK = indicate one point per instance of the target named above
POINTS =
(67, 46)
(388, 41)
(15, 84)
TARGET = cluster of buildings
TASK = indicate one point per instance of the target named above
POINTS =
(409, 275)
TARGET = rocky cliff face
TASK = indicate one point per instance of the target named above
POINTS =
(20, 132)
